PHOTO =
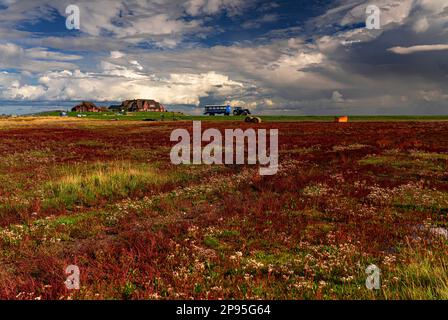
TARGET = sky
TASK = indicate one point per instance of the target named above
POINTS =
(274, 57)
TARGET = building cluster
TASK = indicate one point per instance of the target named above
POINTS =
(137, 105)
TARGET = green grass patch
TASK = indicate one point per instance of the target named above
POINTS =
(429, 155)
(427, 162)
(89, 143)
(229, 234)
(212, 242)
(81, 185)
(425, 277)
(281, 258)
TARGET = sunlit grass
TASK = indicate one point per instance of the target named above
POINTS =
(430, 155)
(432, 162)
(85, 186)
(424, 277)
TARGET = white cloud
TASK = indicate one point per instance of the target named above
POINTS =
(44, 54)
(11, 88)
(116, 54)
(337, 97)
(436, 6)
(208, 7)
(392, 12)
(34, 59)
(421, 48)
(432, 95)
(421, 25)
(120, 84)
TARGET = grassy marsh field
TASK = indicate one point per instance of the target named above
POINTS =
(104, 195)
(177, 116)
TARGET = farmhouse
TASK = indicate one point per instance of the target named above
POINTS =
(140, 105)
(86, 107)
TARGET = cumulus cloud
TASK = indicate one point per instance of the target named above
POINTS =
(12, 89)
(117, 83)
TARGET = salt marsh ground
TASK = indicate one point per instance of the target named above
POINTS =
(103, 195)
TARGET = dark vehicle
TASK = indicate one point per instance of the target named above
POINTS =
(213, 110)
(238, 111)
(226, 110)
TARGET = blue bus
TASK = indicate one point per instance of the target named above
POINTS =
(225, 110)
(214, 110)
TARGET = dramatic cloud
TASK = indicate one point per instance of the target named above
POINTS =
(252, 53)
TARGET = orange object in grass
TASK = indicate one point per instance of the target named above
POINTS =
(341, 119)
